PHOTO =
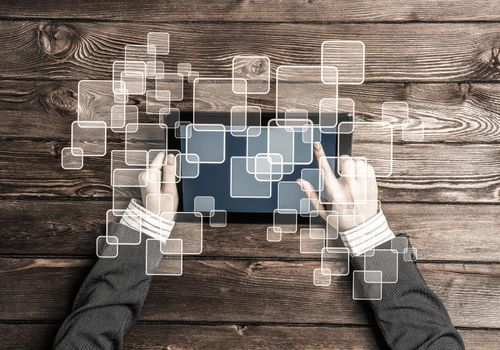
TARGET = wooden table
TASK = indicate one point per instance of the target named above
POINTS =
(244, 292)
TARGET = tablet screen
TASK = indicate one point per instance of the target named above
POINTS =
(252, 173)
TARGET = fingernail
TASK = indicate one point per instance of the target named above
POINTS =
(317, 146)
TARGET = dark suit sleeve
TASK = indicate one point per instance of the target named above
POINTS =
(409, 314)
(111, 297)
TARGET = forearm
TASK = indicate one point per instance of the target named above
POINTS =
(111, 297)
(409, 313)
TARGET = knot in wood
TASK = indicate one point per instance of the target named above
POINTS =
(257, 67)
(495, 57)
(56, 40)
(62, 100)
(466, 89)
(55, 150)
(259, 265)
(240, 329)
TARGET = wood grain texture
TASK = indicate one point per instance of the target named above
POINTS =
(145, 336)
(451, 112)
(244, 291)
(255, 11)
(421, 172)
(439, 232)
(409, 52)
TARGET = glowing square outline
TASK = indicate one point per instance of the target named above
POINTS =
(341, 250)
(123, 213)
(181, 255)
(150, 50)
(172, 98)
(201, 231)
(353, 283)
(212, 215)
(372, 254)
(306, 232)
(201, 79)
(244, 168)
(268, 73)
(179, 174)
(277, 108)
(338, 80)
(387, 125)
(275, 230)
(223, 133)
(328, 277)
(99, 238)
(64, 150)
(291, 212)
(79, 123)
(159, 52)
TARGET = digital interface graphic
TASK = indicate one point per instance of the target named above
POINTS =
(258, 161)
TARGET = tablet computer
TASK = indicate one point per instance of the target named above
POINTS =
(248, 173)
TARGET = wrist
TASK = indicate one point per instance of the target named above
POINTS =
(367, 235)
(149, 222)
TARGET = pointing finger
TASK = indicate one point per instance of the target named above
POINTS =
(331, 184)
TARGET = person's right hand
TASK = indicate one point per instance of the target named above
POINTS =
(356, 186)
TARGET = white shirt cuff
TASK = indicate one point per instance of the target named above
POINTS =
(140, 219)
(368, 235)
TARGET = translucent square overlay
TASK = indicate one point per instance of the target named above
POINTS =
(171, 263)
(90, 137)
(161, 41)
(343, 62)
(256, 70)
(301, 88)
(374, 142)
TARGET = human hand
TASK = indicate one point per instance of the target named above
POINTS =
(354, 192)
(159, 188)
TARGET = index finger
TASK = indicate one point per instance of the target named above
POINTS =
(331, 183)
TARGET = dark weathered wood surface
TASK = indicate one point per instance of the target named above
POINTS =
(256, 11)
(61, 228)
(231, 336)
(465, 113)
(408, 52)
(245, 292)
(422, 172)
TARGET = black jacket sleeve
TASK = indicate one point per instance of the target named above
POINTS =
(111, 297)
(410, 315)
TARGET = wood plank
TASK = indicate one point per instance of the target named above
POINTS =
(256, 11)
(27, 336)
(252, 337)
(451, 112)
(421, 172)
(70, 228)
(409, 52)
(244, 291)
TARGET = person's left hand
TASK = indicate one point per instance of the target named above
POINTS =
(159, 184)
